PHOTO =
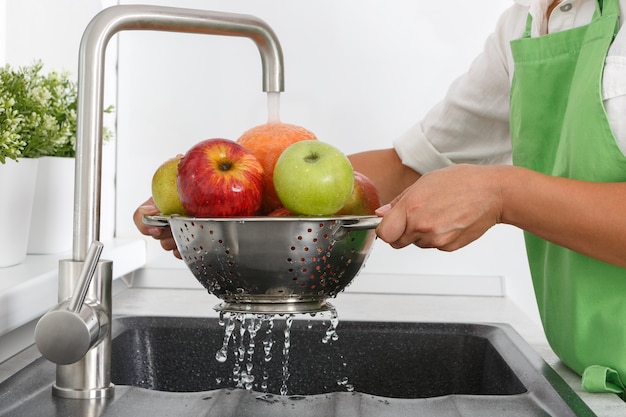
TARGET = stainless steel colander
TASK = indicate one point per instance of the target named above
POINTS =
(273, 265)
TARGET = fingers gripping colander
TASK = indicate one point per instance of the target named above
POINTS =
(273, 265)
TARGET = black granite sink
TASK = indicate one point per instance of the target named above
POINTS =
(165, 366)
(397, 360)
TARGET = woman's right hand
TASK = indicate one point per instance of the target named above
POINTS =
(163, 234)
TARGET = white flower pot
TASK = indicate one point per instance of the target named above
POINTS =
(17, 188)
(51, 222)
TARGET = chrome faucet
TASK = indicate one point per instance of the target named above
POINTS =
(76, 334)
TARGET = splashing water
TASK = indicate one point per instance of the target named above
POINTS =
(331, 332)
(241, 333)
(286, 348)
(222, 354)
(344, 382)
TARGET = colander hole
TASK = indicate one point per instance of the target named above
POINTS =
(320, 249)
(325, 236)
(290, 270)
(220, 241)
(302, 260)
(289, 260)
(294, 278)
(313, 286)
(293, 248)
(303, 284)
(306, 249)
(299, 237)
(321, 225)
(210, 231)
(314, 240)
(309, 230)
(318, 268)
(304, 269)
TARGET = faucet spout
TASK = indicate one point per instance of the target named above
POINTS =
(85, 305)
(91, 80)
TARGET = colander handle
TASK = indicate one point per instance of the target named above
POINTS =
(156, 221)
(363, 224)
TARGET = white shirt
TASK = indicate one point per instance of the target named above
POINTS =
(471, 124)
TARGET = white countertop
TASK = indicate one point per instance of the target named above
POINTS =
(29, 289)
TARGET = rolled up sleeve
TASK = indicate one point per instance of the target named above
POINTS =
(471, 124)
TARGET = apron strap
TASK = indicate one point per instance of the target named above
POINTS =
(612, 9)
(598, 378)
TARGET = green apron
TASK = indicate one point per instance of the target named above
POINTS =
(559, 127)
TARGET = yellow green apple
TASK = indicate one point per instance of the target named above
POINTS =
(164, 188)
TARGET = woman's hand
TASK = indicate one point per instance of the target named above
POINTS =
(163, 234)
(444, 209)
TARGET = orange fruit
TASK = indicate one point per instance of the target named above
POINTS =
(267, 142)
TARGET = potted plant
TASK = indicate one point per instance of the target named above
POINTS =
(37, 123)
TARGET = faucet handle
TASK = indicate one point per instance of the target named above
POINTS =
(86, 274)
(64, 337)
(66, 333)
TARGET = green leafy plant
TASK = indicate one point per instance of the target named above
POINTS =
(37, 113)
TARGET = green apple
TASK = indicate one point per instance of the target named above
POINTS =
(313, 178)
(164, 188)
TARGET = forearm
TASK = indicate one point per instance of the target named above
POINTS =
(587, 217)
(386, 171)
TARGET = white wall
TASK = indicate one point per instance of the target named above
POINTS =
(358, 73)
(3, 32)
(51, 31)
(47, 30)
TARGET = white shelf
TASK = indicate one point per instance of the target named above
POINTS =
(29, 289)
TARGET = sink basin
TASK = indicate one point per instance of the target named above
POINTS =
(397, 360)
(167, 366)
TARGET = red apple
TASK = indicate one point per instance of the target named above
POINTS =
(280, 212)
(220, 178)
(364, 199)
